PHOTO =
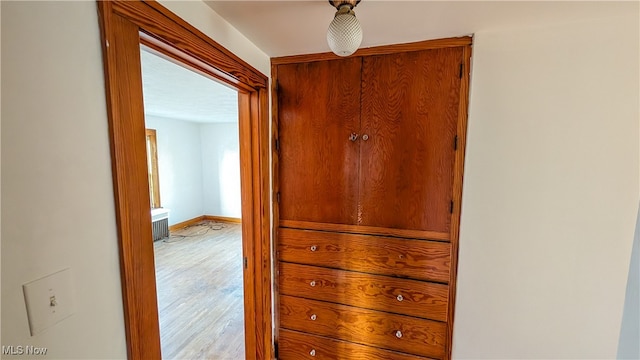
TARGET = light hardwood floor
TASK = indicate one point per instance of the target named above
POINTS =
(200, 295)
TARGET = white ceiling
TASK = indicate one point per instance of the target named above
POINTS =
(294, 27)
(175, 92)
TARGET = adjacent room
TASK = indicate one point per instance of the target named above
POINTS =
(194, 187)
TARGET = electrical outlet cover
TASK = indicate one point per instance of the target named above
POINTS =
(49, 300)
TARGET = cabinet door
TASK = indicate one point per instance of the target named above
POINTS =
(409, 112)
(319, 107)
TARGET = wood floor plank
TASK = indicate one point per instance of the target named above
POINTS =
(200, 293)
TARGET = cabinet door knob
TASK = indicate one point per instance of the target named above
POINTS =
(365, 137)
(313, 317)
(400, 297)
(353, 137)
(312, 283)
(398, 334)
(314, 248)
(312, 352)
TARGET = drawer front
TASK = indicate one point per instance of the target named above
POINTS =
(402, 296)
(367, 327)
(418, 259)
(293, 345)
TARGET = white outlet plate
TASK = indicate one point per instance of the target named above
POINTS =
(39, 295)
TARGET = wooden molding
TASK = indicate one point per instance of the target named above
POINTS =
(458, 171)
(184, 224)
(223, 219)
(372, 230)
(123, 26)
(200, 218)
(275, 174)
(377, 50)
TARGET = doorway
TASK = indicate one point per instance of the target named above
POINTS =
(193, 163)
(124, 26)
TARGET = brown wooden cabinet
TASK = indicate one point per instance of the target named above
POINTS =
(317, 114)
(368, 171)
(409, 114)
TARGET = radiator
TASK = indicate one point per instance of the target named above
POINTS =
(160, 229)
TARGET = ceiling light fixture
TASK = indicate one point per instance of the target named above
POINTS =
(345, 34)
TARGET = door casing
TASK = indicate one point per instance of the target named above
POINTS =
(124, 26)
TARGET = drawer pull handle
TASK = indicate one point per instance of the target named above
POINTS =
(400, 297)
(314, 317)
(398, 334)
(314, 248)
(312, 283)
(312, 352)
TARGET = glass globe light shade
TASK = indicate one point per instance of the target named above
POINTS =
(345, 34)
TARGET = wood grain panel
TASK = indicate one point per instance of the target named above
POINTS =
(262, 277)
(367, 327)
(275, 208)
(123, 82)
(410, 113)
(370, 230)
(400, 296)
(318, 109)
(418, 259)
(457, 189)
(295, 345)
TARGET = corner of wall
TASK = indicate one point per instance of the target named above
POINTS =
(628, 347)
(198, 14)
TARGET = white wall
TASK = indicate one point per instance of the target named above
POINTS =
(550, 191)
(629, 346)
(179, 167)
(57, 194)
(198, 14)
(209, 22)
(221, 169)
(199, 168)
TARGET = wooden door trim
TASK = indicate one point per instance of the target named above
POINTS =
(378, 50)
(275, 183)
(124, 25)
(458, 173)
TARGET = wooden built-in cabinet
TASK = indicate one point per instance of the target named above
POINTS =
(368, 167)
(317, 152)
